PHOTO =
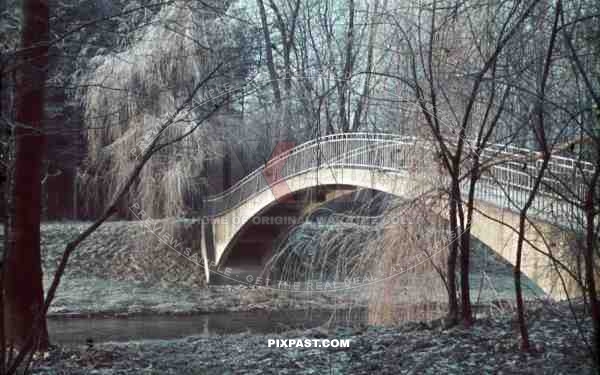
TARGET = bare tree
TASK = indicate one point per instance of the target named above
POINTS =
(544, 145)
(588, 200)
(432, 68)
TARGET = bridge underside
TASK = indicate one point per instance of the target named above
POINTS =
(253, 245)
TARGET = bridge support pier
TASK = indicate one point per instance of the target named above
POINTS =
(535, 265)
(207, 248)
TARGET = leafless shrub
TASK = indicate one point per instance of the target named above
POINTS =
(409, 259)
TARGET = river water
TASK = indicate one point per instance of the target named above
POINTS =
(75, 331)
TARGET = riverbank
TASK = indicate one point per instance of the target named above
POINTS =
(491, 346)
(120, 271)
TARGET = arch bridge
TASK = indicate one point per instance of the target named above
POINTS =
(241, 218)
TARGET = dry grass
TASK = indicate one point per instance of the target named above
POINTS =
(399, 254)
(418, 248)
(401, 257)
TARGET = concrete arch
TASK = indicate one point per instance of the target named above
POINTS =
(226, 228)
(387, 163)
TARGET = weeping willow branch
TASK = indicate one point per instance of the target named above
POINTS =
(147, 84)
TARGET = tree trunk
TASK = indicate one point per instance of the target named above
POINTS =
(344, 83)
(539, 133)
(23, 279)
(362, 104)
(465, 286)
(269, 52)
(590, 238)
(452, 317)
(525, 345)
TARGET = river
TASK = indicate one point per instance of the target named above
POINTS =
(75, 331)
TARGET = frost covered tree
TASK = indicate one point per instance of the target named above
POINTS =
(128, 94)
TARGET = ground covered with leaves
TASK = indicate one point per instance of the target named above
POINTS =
(122, 270)
(490, 347)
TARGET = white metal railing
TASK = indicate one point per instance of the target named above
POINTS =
(505, 185)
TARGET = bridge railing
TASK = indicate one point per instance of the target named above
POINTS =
(509, 183)
(359, 150)
(506, 185)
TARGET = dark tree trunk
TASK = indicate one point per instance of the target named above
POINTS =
(23, 279)
(525, 345)
(590, 238)
(344, 83)
(269, 52)
(465, 249)
(452, 317)
(539, 132)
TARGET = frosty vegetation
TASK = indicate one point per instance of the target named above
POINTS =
(160, 104)
(130, 93)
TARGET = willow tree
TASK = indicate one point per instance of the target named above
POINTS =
(129, 94)
(141, 102)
